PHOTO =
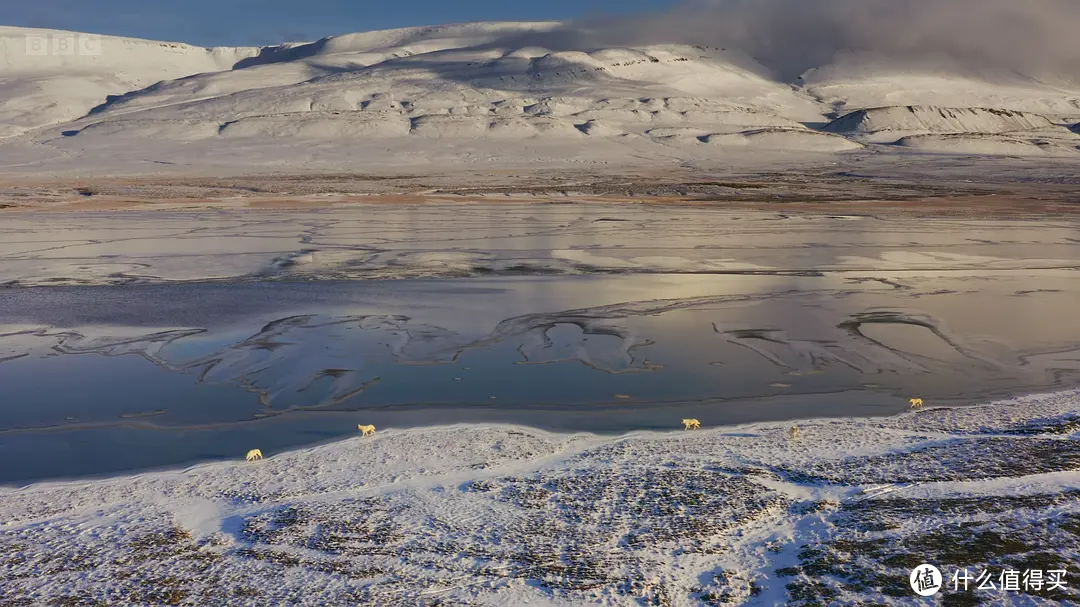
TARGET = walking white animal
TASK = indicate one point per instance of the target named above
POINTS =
(915, 403)
(794, 432)
(365, 430)
(691, 424)
(253, 455)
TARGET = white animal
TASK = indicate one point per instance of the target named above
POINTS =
(691, 424)
(365, 430)
(915, 403)
(253, 455)
(794, 432)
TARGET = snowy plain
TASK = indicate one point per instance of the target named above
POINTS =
(498, 515)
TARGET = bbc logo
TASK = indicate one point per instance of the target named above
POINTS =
(63, 45)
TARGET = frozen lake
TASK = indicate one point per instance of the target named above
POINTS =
(132, 340)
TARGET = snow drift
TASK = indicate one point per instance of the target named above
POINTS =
(784, 139)
(989, 145)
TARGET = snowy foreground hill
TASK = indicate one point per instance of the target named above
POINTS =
(504, 515)
(488, 94)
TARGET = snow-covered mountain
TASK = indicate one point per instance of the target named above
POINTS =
(47, 77)
(479, 92)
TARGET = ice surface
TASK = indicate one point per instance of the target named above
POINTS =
(489, 238)
(574, 317)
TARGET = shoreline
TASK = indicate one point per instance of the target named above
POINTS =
(990, 206)
(923, 186)
(592, 438)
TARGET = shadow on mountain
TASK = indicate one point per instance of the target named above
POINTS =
(282, 54)
(534, 76)
(267, 55)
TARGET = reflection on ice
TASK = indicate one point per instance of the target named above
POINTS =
(376, 241)
(692, 349)
(805, 356)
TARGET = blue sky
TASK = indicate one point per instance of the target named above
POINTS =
(259, 22)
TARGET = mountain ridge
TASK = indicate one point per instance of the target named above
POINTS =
(466, 83)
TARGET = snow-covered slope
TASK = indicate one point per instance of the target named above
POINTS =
(977, 131)
(381, 97)
(849, 85)
(433, 84)
(983, 144)
(43, 85)
(939, 120)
